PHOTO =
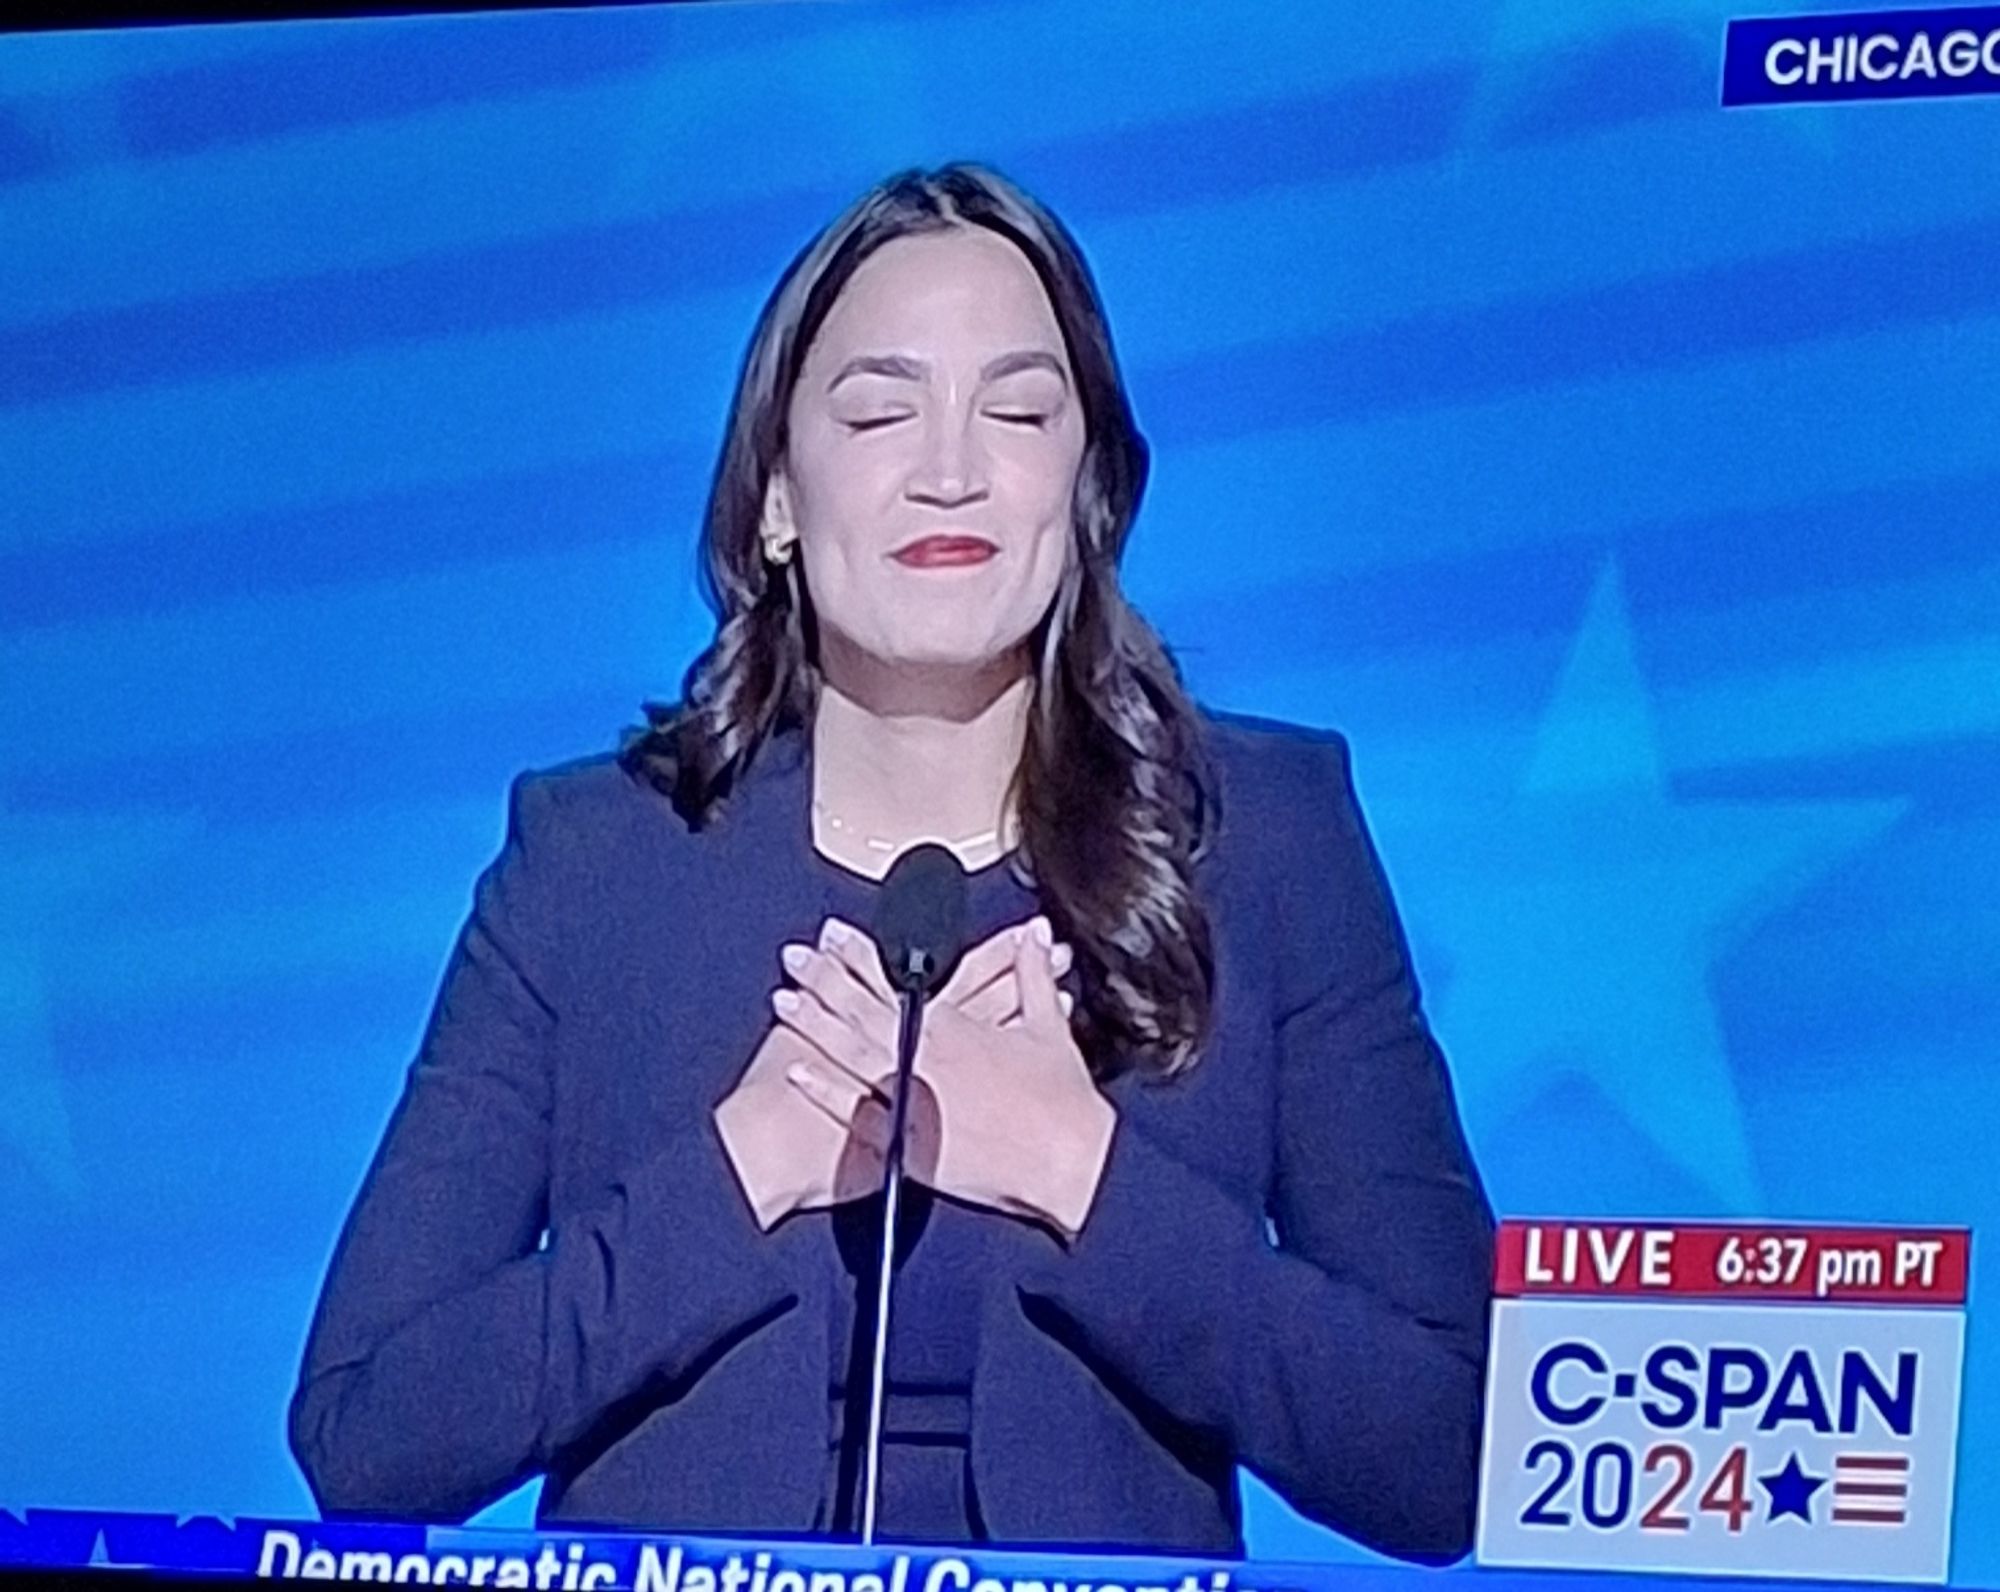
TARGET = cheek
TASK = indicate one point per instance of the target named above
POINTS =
(834, 576)
(1053, 518)
(840, 520)
(1042, 510)
(1051, 554)
(1027, 596)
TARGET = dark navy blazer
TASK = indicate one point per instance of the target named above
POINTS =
(551, 1269)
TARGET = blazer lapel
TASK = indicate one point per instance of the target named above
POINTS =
(781, 1462)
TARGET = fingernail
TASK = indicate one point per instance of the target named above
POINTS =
(834, 932)
(1044, 934)
(796, 958)
(785, 1000)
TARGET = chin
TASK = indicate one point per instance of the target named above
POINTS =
(955, 655)
(946, 635)
(939, 633)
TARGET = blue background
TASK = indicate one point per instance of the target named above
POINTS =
(1618, 472)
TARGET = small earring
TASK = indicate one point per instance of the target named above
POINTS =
(778, 544)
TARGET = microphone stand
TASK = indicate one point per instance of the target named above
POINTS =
(919, 931)
(912, 984)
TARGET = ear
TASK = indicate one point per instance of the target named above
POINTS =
(778, 503)
(777, 531)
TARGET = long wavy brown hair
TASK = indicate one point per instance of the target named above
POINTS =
(1114, 792)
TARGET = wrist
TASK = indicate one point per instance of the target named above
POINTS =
(746, 1150)
(1076, 1165)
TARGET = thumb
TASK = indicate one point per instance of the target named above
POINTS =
(1041, 1005)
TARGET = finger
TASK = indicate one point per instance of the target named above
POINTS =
(993, 958)
(1065, 1002)
(1039, 1006)
(996, 1003)
(997, 999)
(989, 959)
(840, 1042)
(856, 951)
(829, 1090)
(834, 985)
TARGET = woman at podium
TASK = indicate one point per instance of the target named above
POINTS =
(1190, 1190)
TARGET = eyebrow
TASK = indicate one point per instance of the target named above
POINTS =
(904, 368)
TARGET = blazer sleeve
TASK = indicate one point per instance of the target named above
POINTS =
(462, 1339)
(1344, 1364)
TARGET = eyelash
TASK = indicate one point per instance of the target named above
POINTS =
(1035, 422)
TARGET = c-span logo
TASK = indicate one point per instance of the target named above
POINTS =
(1724, 1401)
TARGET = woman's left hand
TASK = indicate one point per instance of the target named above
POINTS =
(1005, 1112)
(1022, 1125)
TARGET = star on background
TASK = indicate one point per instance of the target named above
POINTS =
(1791, 1490)
(1580, 919)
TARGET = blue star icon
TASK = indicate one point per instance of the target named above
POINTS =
(1584, 912)
(1791, 1490)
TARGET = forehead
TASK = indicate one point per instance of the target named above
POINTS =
(965, 290)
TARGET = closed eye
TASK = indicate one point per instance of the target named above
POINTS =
(1037, 421)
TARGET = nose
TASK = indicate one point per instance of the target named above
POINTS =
(951, 471)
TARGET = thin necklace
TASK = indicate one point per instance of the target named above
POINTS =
(833, 821)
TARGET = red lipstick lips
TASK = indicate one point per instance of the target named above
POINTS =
(944, 552)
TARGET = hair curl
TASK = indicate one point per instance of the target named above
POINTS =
(1114, 790)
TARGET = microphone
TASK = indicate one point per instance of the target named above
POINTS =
(920, 918)
(919, 931)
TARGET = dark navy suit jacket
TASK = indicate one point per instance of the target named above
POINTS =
(550, 1267)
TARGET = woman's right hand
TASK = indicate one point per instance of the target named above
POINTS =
(788, 1154)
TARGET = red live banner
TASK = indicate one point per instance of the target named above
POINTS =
(1733, 1260)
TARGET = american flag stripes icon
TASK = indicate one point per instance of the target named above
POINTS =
(1870, 1489)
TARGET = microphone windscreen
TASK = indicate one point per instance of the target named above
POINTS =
(920, 918)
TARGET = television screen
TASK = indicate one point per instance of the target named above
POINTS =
(1432, 588)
